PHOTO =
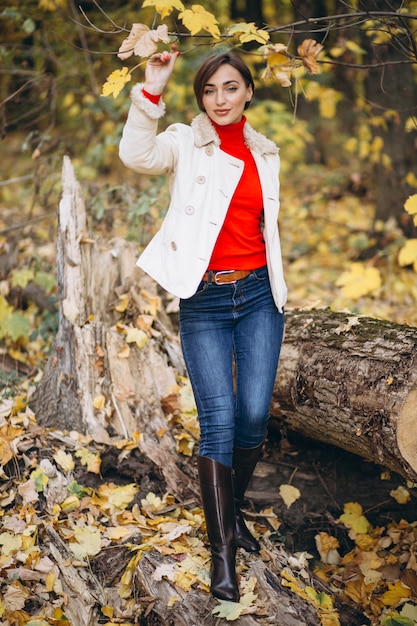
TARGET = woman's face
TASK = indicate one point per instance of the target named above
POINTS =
(225, 95)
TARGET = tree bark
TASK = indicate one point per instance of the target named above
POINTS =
(92, 359)
(351, 382)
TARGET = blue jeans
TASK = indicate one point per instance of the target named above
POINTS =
(222, 326)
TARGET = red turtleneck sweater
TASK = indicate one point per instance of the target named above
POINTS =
(240, 244)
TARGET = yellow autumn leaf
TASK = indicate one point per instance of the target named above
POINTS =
(248, 32)
(185, 444)
(64, 460)
(118, 533)
(278, 65)
(129, 444)
(113, 499)
(326, 97)
(143, 41)
(365, 542)
(107, 610)
(144, 322)
(8, 442)
(401, 495)
(396, 593)
(99, 402)
(354, 47)
(272, 518)
(40, 479)
(230, 611)
(359, 281)
(411, 180)
(50, 582)
(319, 598)
(51, 5)
(115, 82)
(10, 543)
(137, 336)
(150, 304)
(152, 503)
(408, 253)
(327, 548)
(288, 580)
(197, 18)
(91, 460)
(328, 101)
(124, 353)
(123, 303)
(289, 494)
(164, 7)
(88, 542)
(353, 518)
(126, 587)
(70, 504)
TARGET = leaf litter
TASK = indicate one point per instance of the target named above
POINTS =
(53, 479)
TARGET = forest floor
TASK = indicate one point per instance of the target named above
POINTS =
(328, 478)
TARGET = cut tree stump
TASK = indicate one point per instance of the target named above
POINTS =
(351, 381)
(95, 383)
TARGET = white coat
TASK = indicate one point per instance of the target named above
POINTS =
(202, 180)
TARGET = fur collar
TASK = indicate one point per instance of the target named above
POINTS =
(204, 133)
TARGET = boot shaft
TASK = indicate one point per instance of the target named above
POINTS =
(244, 463)
(216, 485)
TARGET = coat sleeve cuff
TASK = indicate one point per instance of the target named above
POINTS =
(154, 111)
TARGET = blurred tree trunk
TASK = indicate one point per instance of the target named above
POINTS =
(391, 95)
(389, 92)
(249, 10)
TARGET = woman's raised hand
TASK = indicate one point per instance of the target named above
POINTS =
(159, 69)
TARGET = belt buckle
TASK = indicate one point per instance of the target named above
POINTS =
(221, 273)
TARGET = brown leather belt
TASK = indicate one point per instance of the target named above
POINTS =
(224, 277)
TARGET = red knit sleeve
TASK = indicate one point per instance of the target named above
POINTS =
(150, 96)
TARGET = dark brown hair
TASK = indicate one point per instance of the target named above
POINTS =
(211, 65)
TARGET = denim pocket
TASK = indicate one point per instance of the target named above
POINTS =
(261, 273)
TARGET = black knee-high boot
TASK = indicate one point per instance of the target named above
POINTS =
(244, 463)
(216, 484)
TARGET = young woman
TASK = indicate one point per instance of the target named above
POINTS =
(219, 251)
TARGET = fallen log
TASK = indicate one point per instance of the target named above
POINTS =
(351, 381)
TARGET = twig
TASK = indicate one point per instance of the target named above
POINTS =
(18, 179)
(4, 231)
(84, 44)
(326, 489)
(119, 415)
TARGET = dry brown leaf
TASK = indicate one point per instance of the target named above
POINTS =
(308, 52)
(142, 41)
